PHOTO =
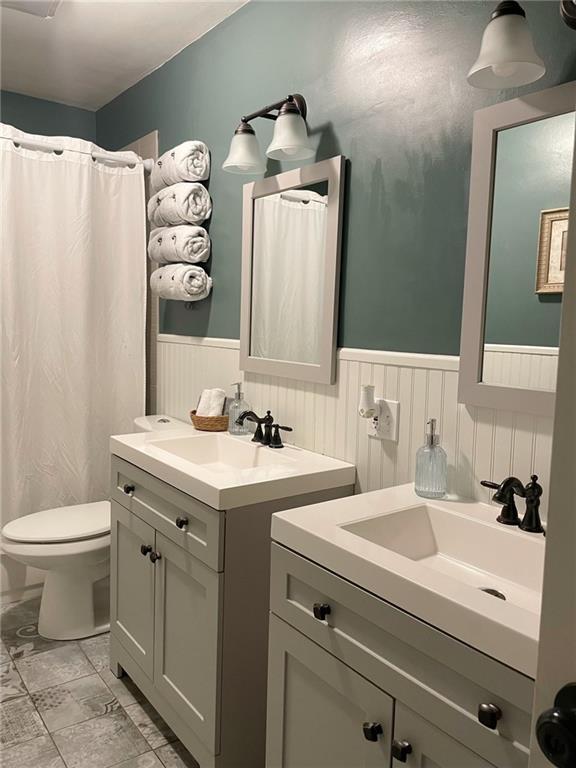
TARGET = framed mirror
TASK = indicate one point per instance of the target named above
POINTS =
(291, 241)
(521, 175)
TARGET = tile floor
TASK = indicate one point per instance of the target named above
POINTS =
(61, 707)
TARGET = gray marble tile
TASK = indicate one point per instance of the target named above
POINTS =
(37, 753)
(98, 651)
(73, 702)
(176, 756)
(24, 640)
(11, 685)
(125, 690)
(4, 655)
(150, 724)
(54, 667)
(19, 722)
(147, 760)
(20, 613)
(100, 742)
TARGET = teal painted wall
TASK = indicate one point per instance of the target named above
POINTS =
(533, 173)
(386, 86)
(46, 117)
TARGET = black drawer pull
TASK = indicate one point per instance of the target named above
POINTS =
(129, 489)
(401, 750)
(321, 610)
(372, 731)
(181, 522)
(145, 549)
(154, 556)
(488, 715)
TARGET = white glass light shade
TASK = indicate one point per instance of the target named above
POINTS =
(244, 155)
(290, 140)
(507, 57)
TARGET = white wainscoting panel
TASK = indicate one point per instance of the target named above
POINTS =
(481, 443)
(528, 367)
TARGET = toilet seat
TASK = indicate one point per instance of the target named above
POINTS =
(79, 522)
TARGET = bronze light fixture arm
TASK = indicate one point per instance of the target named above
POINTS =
(294, 102)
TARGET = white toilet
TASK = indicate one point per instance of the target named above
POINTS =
(73, 545)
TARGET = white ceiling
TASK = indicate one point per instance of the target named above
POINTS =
(92, 51)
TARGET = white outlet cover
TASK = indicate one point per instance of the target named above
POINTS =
(386, 426)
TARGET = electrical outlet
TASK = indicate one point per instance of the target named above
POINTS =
(385, 427)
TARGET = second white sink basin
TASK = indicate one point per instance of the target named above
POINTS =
(463, 548)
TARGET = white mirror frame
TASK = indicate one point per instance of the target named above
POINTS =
(487, 124)
(332, 171)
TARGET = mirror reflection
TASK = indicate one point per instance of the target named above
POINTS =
(531, 195)
(288, 260)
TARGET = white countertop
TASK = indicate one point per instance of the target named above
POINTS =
(275, 474)
(507, 631)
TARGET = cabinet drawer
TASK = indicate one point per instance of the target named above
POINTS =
(441, 678)
(160, 505)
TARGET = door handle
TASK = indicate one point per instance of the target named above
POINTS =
(181, 522)
(488, 715)
(372, 731)
(129, 489)
(556, 729)
(401, 750)
(154, 556)
(145, 549)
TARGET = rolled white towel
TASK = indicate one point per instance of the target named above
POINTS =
(186, 242)
(211, 402)
(189, 161)
(182, 203)
(181, 282)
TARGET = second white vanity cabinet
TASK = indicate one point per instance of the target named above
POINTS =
(189, 611)
(341, 658)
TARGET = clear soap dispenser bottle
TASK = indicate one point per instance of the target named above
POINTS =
(237, 406)
(431, 466)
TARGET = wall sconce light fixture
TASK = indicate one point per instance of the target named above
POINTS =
(289, 142)
(507, 56)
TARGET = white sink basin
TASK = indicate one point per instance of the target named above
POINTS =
(433, 559)
(461, 547)
(222, 453)
(226, 471)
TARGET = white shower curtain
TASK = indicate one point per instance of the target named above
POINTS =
(73, 295)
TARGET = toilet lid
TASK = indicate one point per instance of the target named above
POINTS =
(80, 521)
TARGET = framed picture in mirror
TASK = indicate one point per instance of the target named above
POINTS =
(552, 246)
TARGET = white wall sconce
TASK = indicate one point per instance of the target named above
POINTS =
(289, 142)
(507, 57)
(382, 415)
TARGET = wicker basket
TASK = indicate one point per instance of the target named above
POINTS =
(209, 423)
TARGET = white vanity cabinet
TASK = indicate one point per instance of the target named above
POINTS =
(189, 611)
(340, 657)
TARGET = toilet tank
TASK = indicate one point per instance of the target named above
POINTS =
(158, 423)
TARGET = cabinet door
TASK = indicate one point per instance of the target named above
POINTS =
(317, 708)
(187, 639)
(430, 747)
(132, 586)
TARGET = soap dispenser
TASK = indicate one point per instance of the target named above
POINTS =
(238, 406)
(431, 466)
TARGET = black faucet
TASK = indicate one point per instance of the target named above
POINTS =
(267, 421)
(504, 495)
(531, 521)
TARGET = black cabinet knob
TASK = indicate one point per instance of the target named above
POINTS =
(321, 610)
(129, 489)
(155, 556)
(181, 522)
(556, 729)
(145, 549)
(488, 715)
(372, 731)
(401, 750)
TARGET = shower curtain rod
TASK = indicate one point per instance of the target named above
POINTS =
(103, 156)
